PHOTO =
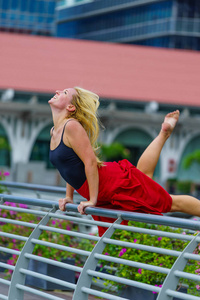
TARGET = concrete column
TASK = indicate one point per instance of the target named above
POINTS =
(22, 134)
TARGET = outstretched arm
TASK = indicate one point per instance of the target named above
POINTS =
(77, 138)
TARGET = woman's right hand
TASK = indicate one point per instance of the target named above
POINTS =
(63, 202)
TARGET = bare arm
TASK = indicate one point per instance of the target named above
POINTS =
(77, 138)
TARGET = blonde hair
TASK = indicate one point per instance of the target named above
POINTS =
(86, 104)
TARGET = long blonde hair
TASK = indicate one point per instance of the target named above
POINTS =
(86, 104)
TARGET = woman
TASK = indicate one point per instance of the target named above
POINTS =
(73, 151)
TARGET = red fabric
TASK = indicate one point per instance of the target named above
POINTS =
(123, 187)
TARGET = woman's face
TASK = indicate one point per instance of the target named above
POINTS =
(62, 98)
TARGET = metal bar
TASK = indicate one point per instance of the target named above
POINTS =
(3, 297)
(101, 294)
(11, 251)
(25, 224)
(187, 275)
(142, 247)
(13, 236)
(131, 216)
(131, 263)
(155, 232)
(80, 220)
(70, 233)
(6, 266)
(181, 295)
(191, 256)
(4, 281)
(121, 280)
(34, 187)
(48, 278)
(37, 292)
(60, 247)
(24, 210)
(29, 201)
(53, 262)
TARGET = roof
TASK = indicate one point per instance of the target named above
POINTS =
(117, 71)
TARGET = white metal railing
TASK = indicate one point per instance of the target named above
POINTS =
(89, 250)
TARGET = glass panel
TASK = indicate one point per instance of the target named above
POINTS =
(23, 5)
(14, 4)
(5, 4)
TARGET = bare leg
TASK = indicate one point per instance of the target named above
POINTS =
(150, 156)
(186, 204)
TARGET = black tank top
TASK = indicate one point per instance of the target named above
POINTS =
(68, 163)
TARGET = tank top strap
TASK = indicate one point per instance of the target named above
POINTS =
(64, 127)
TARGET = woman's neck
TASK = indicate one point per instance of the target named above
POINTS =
(59, 118)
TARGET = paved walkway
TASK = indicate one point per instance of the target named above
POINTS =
(64, 295)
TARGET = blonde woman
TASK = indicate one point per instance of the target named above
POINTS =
(114, 185)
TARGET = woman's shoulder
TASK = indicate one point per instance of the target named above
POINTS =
(73, 124)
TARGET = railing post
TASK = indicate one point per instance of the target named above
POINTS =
(22, 262)
(172, 280)
(85, 280)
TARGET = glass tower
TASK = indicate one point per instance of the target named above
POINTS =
(28, 16)
(161, 23)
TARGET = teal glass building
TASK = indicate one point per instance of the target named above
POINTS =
(28, 16)
(161, 23)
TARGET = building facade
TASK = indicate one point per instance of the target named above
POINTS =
(159, 23)
(28, 16)
(25, 137)
(137, 86)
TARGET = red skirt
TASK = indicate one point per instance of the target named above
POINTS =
(123, 187)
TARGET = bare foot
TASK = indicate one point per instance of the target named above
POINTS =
(170, 122)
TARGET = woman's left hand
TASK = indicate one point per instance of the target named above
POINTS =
(83, 205)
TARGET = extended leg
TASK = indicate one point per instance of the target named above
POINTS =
(186, 204)
(150, 156)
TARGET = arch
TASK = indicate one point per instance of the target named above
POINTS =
(193, 172)
(4, 148)
(136, 140)
(40, 150)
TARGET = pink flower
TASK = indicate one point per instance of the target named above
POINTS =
(21, 205)
(183, 232)
(159, 238)
(198, 287)
(106, 253)
(135, 240)
(140, 271)
(122, 252)
(53, 222)
(156, 292)
(6, 173)
(197, 271)
(13, 212)
(68, 227)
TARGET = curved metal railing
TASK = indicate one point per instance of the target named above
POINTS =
(90, 277)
